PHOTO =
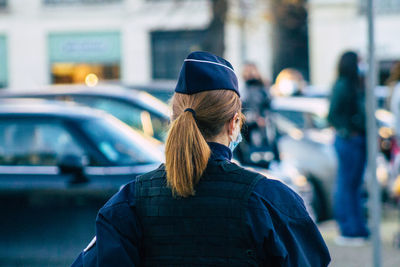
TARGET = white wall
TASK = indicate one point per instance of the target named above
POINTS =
(257, 33)
(336, 26)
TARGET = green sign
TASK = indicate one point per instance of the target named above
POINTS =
(3, 61)
(90, 47)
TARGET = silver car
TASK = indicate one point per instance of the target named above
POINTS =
(307, 143)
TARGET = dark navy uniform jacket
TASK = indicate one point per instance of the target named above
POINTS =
(283, 232)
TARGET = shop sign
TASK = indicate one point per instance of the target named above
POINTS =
(93, 47)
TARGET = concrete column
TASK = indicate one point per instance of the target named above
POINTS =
(334, 27)
(136, 51)
(26, 46)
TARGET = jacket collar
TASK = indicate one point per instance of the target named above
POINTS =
(219, 152)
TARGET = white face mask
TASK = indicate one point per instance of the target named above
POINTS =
(236, 139)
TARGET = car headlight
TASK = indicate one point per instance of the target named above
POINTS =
(259, 156)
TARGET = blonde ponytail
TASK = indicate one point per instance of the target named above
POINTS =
(186, 149)
(187, 154)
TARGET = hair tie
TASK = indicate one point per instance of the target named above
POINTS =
(191, 111)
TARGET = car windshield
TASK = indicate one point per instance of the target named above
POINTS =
(152, 124)
(305, 120)
(121, 144)
(319, 121)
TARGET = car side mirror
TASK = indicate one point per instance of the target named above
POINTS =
(73, 165)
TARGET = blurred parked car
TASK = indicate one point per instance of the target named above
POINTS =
(48, 147)
(306, 141)
(162, 90)
(136, 108)
(56, 147)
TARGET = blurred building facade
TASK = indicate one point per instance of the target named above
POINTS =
(136, 41)
(339, 25)
(133, 41)
(55, 41)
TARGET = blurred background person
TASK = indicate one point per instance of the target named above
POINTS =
(289, 82)
(393, 82)
(393, 104)
(347, 116)
(259, 133)
(256, 102)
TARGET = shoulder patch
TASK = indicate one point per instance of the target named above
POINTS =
(91, 244)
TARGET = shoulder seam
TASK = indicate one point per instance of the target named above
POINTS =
(119, 203)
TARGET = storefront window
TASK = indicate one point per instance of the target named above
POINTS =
(89, 74)
(84, 57)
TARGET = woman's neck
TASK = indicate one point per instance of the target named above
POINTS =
(221, 139)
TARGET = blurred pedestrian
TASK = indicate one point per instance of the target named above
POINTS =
(289, 82)
(199, 208)
(393, 83)
(347, 116)
(256, 103)
(259, 132)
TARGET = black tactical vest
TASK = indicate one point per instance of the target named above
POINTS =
(207, 229)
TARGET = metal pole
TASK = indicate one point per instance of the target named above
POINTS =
(374, 187)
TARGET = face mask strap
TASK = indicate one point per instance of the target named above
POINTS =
(233, 144)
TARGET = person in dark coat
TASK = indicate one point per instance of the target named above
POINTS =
(259, 131)
(199, 208)
(347, 116)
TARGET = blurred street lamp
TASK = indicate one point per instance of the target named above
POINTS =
(91, 80)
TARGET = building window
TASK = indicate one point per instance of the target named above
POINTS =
(170, 48)
(382, 6)
(66, 2)
(3, 4)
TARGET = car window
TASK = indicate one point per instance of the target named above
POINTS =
(123, 111)
(35, 143)
(160, 127)
(120, 144)
(296, 117)
(135, 117)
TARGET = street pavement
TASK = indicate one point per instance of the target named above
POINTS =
(362, 256)
(42, 233)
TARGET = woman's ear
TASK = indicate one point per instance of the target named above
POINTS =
(233, 123)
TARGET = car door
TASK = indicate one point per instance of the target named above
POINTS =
(30, 152)
(122, 154)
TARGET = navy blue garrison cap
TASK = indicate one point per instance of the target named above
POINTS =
(203, 71)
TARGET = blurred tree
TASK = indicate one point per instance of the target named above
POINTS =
(170, 48)
(214, 41)
(290, 40)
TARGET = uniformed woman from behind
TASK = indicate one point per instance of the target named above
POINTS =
(199, 208)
